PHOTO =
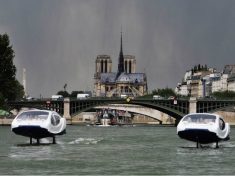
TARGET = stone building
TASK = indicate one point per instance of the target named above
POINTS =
(204, 83)
(231, 82)
(123, 82)
(197, 84)
(222, 84)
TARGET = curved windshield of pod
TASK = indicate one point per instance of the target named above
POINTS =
(33, 115)
(200, 118)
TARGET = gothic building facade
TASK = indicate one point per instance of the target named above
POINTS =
(123, 82)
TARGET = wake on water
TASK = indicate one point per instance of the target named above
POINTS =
(46, 141)
(86, 141)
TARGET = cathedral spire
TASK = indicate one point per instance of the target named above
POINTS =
(121, 59)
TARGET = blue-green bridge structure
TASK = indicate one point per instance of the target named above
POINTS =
(175, 108)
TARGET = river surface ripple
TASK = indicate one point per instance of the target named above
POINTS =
(134, 150)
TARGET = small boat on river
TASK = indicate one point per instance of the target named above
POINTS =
(105, 121)
(203, 128)
(39, 124)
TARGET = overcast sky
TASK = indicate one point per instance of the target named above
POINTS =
(57, 41)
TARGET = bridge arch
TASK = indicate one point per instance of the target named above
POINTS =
(137, 109)
(77, 108)
(173, 113)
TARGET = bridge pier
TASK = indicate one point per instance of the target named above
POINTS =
(192, 105)
(67, 109)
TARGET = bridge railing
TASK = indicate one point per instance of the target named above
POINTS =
(77, 106)
(181, 106)
(55, 105)
(213, 105)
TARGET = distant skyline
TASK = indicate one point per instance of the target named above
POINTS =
(57, 41)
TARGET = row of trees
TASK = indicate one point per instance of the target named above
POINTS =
(198, 68)
(10, 88)
(166, 92)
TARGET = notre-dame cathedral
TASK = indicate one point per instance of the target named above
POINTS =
(123, 82)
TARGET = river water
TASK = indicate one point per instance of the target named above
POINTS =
(114, 150)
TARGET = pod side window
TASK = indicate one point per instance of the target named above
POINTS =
(55, 119)
(221, 124)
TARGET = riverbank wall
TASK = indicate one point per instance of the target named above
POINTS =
(227, 116)
(5, 121)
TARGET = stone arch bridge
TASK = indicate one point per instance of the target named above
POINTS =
(175, 108)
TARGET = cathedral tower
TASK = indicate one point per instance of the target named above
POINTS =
(129, 64)
(103, 64)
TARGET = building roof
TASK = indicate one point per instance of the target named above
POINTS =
(131, 77)
(108, 77)
(231, 78)
(229, 69)
(123, 77)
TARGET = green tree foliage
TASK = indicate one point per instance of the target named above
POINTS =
(10, 88)
(166, 92)
(1, 100)
(72, 95)
(63, 93)
(198, 68)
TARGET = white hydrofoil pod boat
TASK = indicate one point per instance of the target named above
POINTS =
(203, 128)
(39, 124)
